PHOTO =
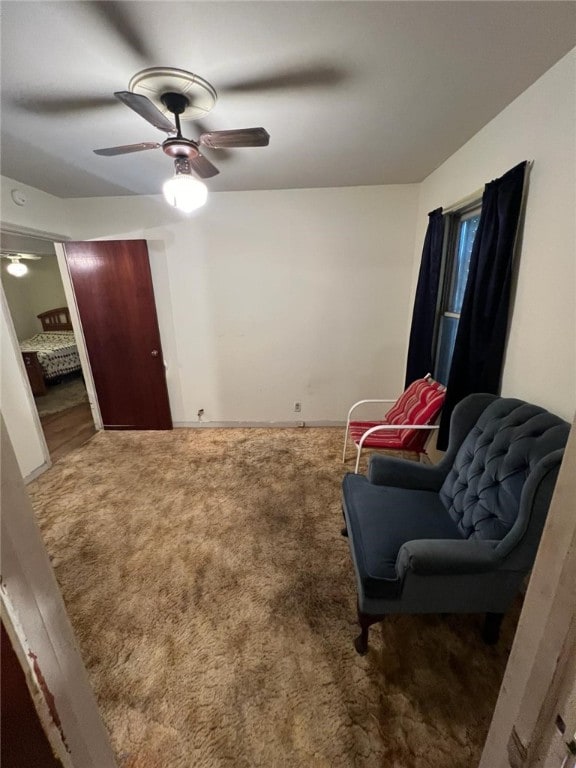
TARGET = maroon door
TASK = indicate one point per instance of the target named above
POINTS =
(115, 299)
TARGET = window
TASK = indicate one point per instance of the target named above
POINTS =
(460, 233)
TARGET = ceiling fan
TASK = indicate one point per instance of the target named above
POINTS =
(15, 267)
(157, 92)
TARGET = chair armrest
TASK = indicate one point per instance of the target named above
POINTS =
(447, 556)
(388, 427)
(403, 473)
(362, 402)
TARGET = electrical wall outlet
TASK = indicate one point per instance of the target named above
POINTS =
(297, 406)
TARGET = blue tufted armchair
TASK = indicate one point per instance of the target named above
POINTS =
(460, 536)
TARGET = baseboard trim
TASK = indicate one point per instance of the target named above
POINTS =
(37, 472)
(255, 424)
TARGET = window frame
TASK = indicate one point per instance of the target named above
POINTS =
(454, 219)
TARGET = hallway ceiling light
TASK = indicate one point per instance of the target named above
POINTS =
(16, 268)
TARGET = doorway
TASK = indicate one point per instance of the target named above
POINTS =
(33, 293)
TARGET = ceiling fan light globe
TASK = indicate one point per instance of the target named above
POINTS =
(17, 269)
(185, 193)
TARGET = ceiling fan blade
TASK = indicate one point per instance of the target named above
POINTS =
(126, 149)
(243, 137)
(203, 167)
(311, 76)
(146, 109)
(119, 19)
(64, 105)
(13, 255)
(201, 127)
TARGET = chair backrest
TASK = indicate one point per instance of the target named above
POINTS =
(419, 404)
(510, 441)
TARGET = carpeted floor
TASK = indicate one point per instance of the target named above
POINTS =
(213, 599)
(59, 397)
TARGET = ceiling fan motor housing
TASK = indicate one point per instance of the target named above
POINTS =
(174, 102)
(180, 147)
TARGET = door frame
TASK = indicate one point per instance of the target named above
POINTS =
(25, 657)
(529, 699)
(37, 621)
(52, 237)
(57, 240)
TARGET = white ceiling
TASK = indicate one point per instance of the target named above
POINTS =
(352, 93)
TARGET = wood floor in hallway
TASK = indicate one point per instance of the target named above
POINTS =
(67, 430)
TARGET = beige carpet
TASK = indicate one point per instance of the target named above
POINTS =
(62, 396)
(213, 599)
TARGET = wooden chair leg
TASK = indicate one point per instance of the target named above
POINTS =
(344, 531)
(491, 631)
(365, 620)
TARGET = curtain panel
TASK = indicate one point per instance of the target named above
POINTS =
(481, 336)
(420, 353)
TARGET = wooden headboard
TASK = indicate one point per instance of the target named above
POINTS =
(55, 319)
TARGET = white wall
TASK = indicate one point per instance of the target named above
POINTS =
(265, 298)
(15, 293)
(16, 403)
(37, 291)
(540, 125)
(41, 211)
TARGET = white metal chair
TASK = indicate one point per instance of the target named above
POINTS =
(405, 427)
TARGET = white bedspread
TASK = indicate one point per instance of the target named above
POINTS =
(56, 351)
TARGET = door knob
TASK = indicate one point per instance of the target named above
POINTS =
(154, 353)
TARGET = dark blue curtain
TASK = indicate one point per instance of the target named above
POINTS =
(420, 354)
(481, 336)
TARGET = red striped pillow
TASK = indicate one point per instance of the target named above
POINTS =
(419, 404)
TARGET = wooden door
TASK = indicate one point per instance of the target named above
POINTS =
(113, 288)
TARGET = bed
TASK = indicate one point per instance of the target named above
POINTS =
(53, 353)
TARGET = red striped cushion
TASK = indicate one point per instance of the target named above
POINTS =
(419, 404)
(388, 438)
